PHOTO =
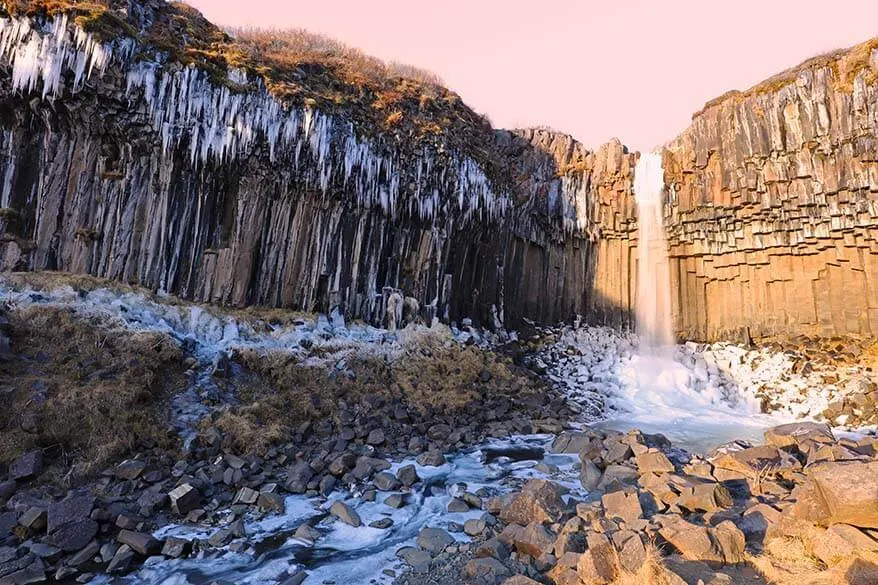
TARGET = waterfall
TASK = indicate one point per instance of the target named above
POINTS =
(653, 302)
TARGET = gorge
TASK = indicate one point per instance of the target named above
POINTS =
(274, 315)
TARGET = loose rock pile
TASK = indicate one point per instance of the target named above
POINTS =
(709, 517)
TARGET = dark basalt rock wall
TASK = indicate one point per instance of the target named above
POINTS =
(155, 175)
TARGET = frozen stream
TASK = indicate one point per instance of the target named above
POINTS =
(357, 556)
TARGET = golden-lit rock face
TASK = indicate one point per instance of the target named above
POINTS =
(773, 214)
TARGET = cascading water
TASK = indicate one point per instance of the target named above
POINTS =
(653, 303)
(662, 389)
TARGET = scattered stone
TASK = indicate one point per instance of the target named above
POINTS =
(431, 459)
(271, 502)
(27, 466)
(141, 543)
(121, 560)
(534, 540)
(34, 520)
(417, 559)
(434, 540)
(538, 501)
(456, 505)
(376, 437)
(382, 524)
(487, 571)
(623, 505)
(474, 526)
(346, 514)
(408, 475)
(184, 499)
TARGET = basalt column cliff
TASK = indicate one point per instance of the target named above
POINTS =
(132, 156)
(772, 215)
(141, 143)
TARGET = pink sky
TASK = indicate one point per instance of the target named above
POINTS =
(635, 70)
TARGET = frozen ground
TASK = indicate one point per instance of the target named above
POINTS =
(699, 396)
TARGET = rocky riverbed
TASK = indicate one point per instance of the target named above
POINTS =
(451, 462)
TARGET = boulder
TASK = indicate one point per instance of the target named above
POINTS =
(298, 476)
(520, 580)
(140, 542)
(538, 501)
(74, 536)
(794, 434)
(386, 482)
(484, 571)
(27, 466)
(494, 548)
(840, 542)
(653, 462)
(631, 551)
(599, 564)
(849, 491)
(534, 540)
(408, 475)
(346, 514)
(431, 459)
(417, 559)
(704, 497)
(474, 526)
(589, 475)
(754, 462)
(74, 508)
(376, 437)
(623, 505)
(434, 540)
(184, 498)
(130, 469)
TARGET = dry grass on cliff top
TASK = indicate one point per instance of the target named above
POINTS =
(83, 389)
(844, 64)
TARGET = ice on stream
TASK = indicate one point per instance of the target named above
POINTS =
(697, 395)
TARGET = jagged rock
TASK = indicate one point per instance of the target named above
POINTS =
(271, 502)
(121, 560)
(298, 476)
(431, 459)
(184, 499)
(141, 543)
(493, 548)
(74, 535)
(85, 555)
(538, 501)
(74, 508)
(623, 505)
(796, 434)
(434, 540)
(534, 540)
(34, 520)
(840, 542)
(130, 469)
(599, 564)
(654, 462)
(704, 497)
(7, 489)
(589, 475)
(724, 544)
(484, 571)
(838, 493)
(752, 462)
(376, 437)
(27, 466)
(175, 548)
(631, 551)
(408, 475)
(346, 514)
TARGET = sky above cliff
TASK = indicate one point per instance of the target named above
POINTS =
(636, 70)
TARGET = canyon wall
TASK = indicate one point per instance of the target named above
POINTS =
(772, 213)
(119, 166)
(121, 163)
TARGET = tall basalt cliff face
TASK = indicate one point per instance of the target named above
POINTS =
(187, 168)
(772, 213)
(122, 163)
